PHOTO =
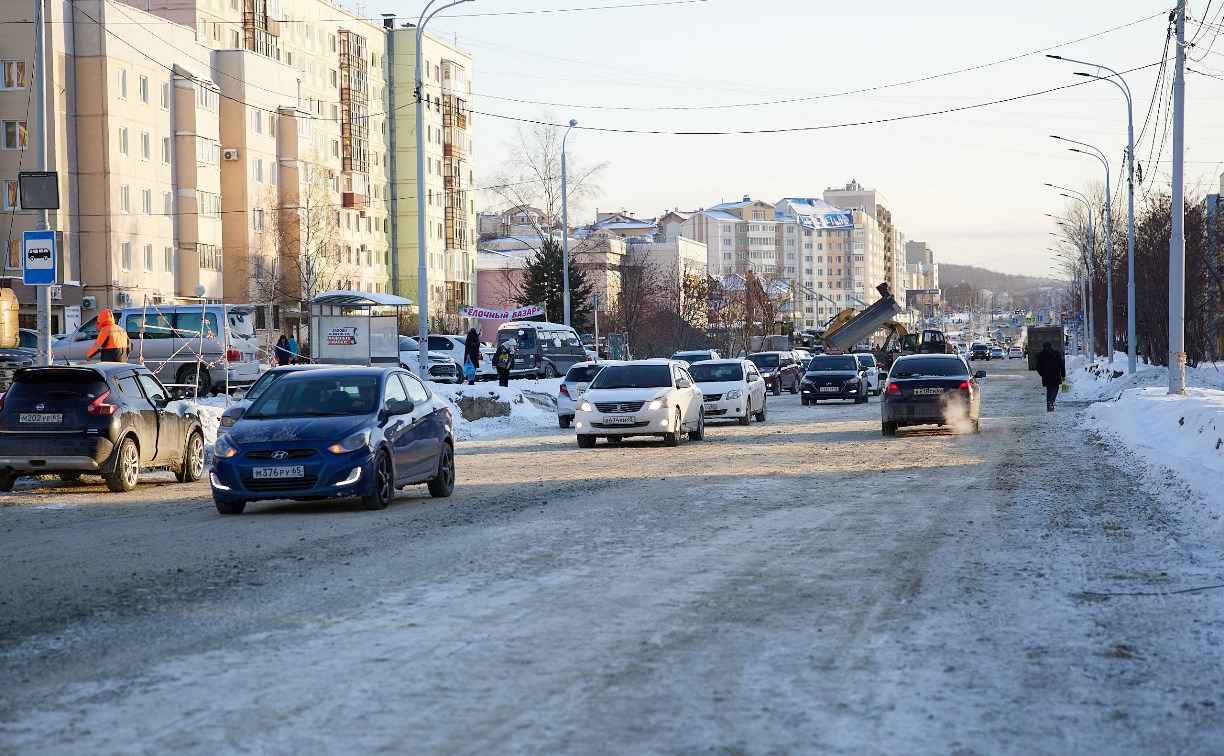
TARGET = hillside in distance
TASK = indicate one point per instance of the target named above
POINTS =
(982, 278)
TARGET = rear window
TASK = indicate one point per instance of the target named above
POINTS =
(241, 323)
(831, 363)
(764, 360)
(633, 376)
(523, 341)
(705, 372)
(692, 356)
(919, 366)
(866, 359)
(57, 384)
(582, 373)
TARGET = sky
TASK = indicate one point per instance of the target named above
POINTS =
(970, 183)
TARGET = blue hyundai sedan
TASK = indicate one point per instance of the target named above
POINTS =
(333, 433)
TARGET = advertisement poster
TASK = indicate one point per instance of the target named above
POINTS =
(530, 311)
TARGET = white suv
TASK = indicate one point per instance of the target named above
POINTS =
(641, 398)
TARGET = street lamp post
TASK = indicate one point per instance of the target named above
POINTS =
(422, 273)
(1116, 79)
(1087, 253)
(565, 297)
(1109, 300)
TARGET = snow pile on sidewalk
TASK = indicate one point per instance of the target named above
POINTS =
(1178, 435)
(210, 409)
(533, 404)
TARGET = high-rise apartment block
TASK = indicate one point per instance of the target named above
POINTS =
(238, 150)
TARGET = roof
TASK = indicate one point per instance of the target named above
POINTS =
(340, 297)
(811, 212)
(720, 215)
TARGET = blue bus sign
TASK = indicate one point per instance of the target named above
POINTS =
(38, 258)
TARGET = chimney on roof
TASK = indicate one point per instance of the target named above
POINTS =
(747, 198)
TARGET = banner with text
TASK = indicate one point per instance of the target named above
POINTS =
(530, 311)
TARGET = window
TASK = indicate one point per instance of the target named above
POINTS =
(272, 171)
(143, 87)
(167, 203)
(123, 140)
(257, 216)
(12, 195)
(125, 199)
(13, 259)
(146, 145)
(15, 135)
(127, 256)
(148, 258)
(210, 257)
(256, 121)
(166, 150)
(165, 96)
(146, 201)
(257, 170)
(208, 99)
(168, 259)
(14, 75)
(121, 81)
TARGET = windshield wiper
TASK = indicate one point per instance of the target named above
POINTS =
(325, 413)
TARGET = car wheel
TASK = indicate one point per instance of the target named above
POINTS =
(747, 418)
(888, 429)
(193, 460)
(794, 389)
(760, 416)
(443, 483)
(6, 482)
(127, 467)
(564, 422)
(193, 375)
(860, 400)
(699, 434)
(550, 372)
(384, 487)
(585, 441)
(230, 507)
(804, 401)
(673, 438)
(777, 388)
(977, 426)
(68, 477)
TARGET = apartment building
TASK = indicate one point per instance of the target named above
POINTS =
(876, 257)
(739, 237)
(819, 255)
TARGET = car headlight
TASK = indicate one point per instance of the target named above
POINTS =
(223, 448)
(734, 394)
(657, 404)
(584, 406)
(228, 421)
(352, 443)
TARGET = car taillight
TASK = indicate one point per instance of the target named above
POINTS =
(564, 392)
(2, 401)
(964, 386)
(893, 389)
(99, 406)
(233, 355)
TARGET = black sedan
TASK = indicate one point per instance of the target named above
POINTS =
(110, 419)
(834, 376)
(931, 389)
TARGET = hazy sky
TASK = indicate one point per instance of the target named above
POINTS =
(968, 183)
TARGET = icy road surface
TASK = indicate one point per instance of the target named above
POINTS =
(802, 585)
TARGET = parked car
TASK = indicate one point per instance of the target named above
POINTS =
(575, 384)
(641, 398)
(542, 350)
(834, 376)
(930, 389)
(1015, 353)
(441, 367)
(13, 359)
(996, 353)
(779, 369)
(235, 410)
(109, 419)
(979, 350)
(732, 389)
(206, 347)
(455, 348)
(867, 362)
(697, 355)
(340, 432)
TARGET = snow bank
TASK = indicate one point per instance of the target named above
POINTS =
(1097, 381)
(533, 404)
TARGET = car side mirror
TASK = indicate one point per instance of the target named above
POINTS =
(397, 407)
(980, 374)
(236, 413)
(683, 383)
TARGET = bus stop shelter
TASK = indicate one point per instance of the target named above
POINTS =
(356, 328)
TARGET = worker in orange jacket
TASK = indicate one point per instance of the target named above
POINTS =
(112, 340)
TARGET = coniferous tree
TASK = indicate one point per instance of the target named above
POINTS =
(543, 284)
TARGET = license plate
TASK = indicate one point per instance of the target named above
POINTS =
(711, 405)
(40, 417)
(275, 473)
(927, 391)
(829, 390)
(619, 420)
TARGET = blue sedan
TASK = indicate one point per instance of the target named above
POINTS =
(332, 433)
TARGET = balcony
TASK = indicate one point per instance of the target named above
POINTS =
(353, 200)
(452, 150)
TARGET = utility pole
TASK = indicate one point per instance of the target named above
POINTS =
(1177, 240)
(40, 115)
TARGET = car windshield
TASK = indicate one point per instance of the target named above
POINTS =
(633, 376)
(866, 360)
(927, 367)
(691, 356)
(524, 338)
(409, 344)
(704, 372)
(832, 363)
(311, 396)
(764, 360)
(582, 373)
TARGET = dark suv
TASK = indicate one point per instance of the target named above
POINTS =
(979, 351)
(110, 419)
(779, 369)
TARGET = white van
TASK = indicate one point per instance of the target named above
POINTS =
(174, 341)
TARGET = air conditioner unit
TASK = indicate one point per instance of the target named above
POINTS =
(89, 303)
(230, 153)
(125, 299)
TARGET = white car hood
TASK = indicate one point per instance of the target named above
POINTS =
(721, 387)
(624, 394)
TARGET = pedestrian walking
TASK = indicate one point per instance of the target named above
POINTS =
(1053, 371)
(471, 355)
(295, 352)
(502, 359)
(281, 352)
(112, 340)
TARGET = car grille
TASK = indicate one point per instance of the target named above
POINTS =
(712, 397)
(280, 484)
(642, 424)
(607, 407)
(440, 369)
(290, 454)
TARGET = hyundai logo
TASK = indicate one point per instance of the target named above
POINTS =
(280, 455)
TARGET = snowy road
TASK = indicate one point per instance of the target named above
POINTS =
(802, 585)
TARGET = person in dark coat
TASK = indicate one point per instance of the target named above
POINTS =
(282, 350)
(471, 353)
(1053, 371)
(503, 358)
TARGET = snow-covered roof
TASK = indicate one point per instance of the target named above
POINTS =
(339, 297)
(810, 212)
(720, 215)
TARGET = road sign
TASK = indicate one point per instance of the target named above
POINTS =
(38, 258)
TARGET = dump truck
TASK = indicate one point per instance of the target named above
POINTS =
(849, 328)
(1038, 335)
